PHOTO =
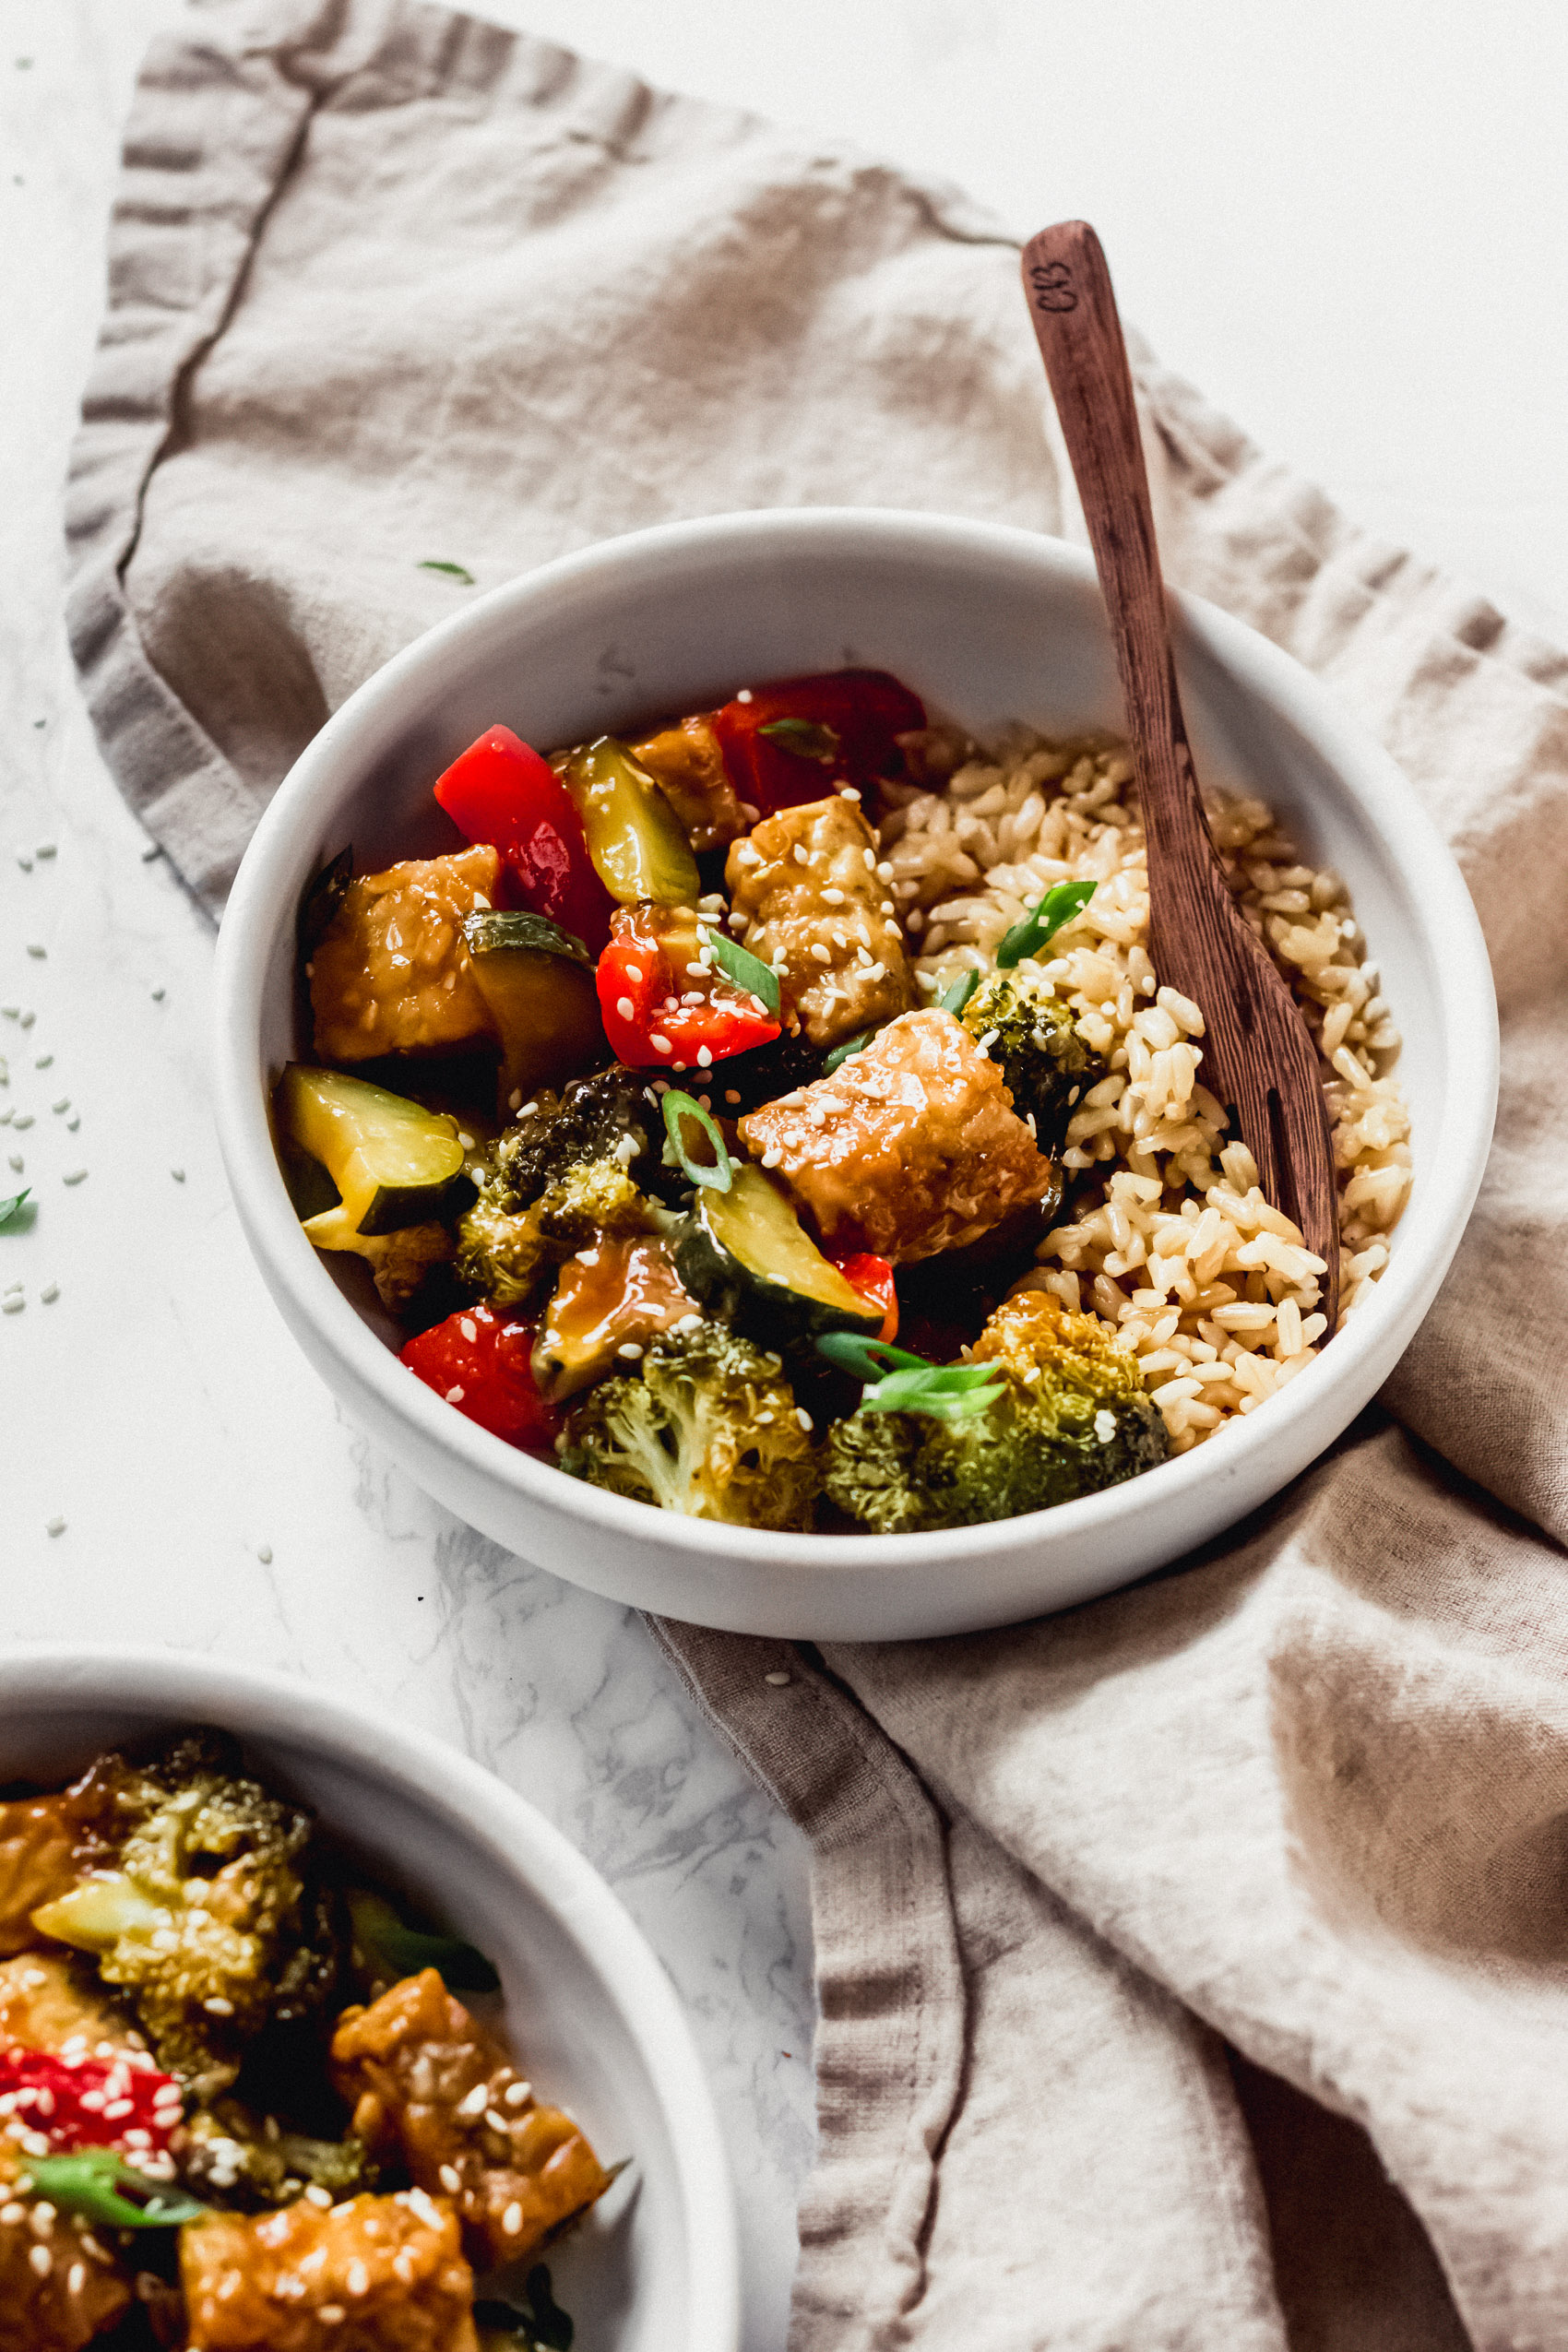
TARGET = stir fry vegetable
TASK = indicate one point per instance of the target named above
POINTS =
(734, 1150)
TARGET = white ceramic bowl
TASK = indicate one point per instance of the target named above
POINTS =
(988, 624)
(585, 2002)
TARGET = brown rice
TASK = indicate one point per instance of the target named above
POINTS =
(1170, 1241)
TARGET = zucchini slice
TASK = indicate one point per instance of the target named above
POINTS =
(394, 1162)
(636, 841)
(747, 1255)
(537, 985)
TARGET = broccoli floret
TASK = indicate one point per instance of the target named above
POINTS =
(1072, 1417)
(615, 1114)
(503, 1253)
(1048, 1067)
(708, 1426)
(229, 2156)
(207, 1914)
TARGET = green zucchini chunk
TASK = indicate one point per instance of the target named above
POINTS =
(537, 985)
(747, 1255)
(637, 843)
(394, 1162)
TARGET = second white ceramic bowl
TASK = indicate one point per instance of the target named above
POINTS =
(588, 2006)
(990, 625)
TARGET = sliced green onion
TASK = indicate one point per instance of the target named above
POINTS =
(394, 1950)
(1029, 936)
(954, 998)
(899, 1382)
(856, 1044)
(679, 1105)
(747, 972)
(91, 2183)
(806, 738)
(8, 1208)
(453, 571)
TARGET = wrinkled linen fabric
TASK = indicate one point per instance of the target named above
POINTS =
(1193, 1967)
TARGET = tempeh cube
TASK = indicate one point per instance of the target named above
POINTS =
(806, 880)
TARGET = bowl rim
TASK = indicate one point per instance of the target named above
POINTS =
(261, 1703)
(1433, 1223)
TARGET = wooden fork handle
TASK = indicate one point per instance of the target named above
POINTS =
(1079, 332)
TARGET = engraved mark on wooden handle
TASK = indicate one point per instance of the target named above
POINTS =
(1052, 283)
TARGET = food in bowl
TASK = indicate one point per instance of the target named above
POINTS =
(777, 1119)
(241, 2102)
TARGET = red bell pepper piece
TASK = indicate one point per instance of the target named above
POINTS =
(500, 791)
(801, 738)
(482, 1362)
(872, 1277)
(88, 2102)
(649, 970)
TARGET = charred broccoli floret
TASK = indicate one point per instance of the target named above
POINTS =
(613, 1114)
(1048, 1067)
(227, 2155)
(503, 1253)
(706, 1426)
(1072, 1417)
(206, 1913)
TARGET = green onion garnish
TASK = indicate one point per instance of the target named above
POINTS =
(1029, 934)
(806, 738)
(856, 1044)
(679, 1105)
(392, 1949)
(453, 571)
(747, 972)
(899, 1382)
(954, 998)
(99, 2186)
(8, 1208)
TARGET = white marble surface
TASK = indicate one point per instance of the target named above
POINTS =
(1350, 224)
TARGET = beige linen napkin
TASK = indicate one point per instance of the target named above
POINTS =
(1175, 1956)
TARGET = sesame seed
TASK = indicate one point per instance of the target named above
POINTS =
(805, 1417)
(630, 1350)
(450, 2178)
(779, 1681)
(820, 953)
(56, 1527)
(661, 1044)
(467, 1141)
(885, 872)
(358, 2280)
(704, 1057)
(75, 2278)
(469, 1328)
(455, 1396)
(989, 1039)
(10, 1011)
(24, 862)
(153, 849)
(16, 1160)
(512, 2219)
(772, 1157)
(36, 947)
(848, 792)
(514, 1100)
(22, 1119)
(64, 1104)
(157, 995)
(625, 1006)
(73, 1122)
(215, 2007)
(77, 1176)
(12, 1306)
(47, 850)
(264, 1554)
(518, 2094)
(319, 2197)
(178, 1174)
(833, 897)
(40, 2260)
(43, 1061)
(743, 695)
